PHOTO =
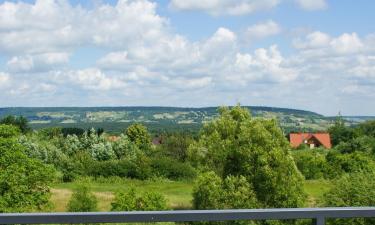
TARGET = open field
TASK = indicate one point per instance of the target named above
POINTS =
(178, 193)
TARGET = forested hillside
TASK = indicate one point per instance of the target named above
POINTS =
(114, 119)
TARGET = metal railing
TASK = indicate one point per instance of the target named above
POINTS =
(319, 215)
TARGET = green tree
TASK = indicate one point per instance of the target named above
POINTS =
(23, 181)
(176, 146)
(339, 132)
(367, 128)
(125, 149)
(235, 144)
(18, 121)
(352, 190)
(139, 135)
(82, 200)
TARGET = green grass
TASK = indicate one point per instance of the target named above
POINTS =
(178, 193)
(315, 190)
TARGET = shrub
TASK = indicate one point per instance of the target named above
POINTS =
(130, 201)
(24, 182)
(172, 169)
(352, 190)
(82, 200)
(8, 131)
(339, 164)
(211, 192)
(311, 163)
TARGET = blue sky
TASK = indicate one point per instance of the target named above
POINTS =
(316, 55)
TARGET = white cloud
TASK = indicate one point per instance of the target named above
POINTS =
(262, 30)
(53, 26)
(347, 44)
(145, 62)
(37, 62)
(312, 4)
(319, 43)
(241, 7)
(4, 79)
(315, 39)
(226, 7)
(92, 79)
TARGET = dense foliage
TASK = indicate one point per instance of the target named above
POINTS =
(240, 161)
(353, 152)
(24, 182)
(357, 189)
(238, 145)
(82, 200)
(133, 201)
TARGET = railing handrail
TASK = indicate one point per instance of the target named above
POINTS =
(318, 214)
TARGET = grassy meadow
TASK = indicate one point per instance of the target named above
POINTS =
(178, 193)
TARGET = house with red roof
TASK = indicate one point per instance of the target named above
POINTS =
(312, 140)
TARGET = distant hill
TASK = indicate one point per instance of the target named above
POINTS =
(115, 119)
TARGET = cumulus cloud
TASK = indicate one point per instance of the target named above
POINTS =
(312, 4)
(146, 62)
(240, 7)
(262, 30)
(319, 43)
(226, 7)
(90, 79)
(37, 62)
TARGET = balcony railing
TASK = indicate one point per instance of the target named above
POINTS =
(319, 215)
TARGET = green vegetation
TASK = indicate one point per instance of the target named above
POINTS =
(161, 119)
(237, 160)
(133, 201)
(256, 150)
(23, 181)
(82, 200)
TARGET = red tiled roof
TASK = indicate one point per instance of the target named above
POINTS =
(296, 139)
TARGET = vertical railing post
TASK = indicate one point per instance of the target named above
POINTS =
(319, 221)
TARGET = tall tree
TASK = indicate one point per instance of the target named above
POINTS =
(339, 132)
(235, 144)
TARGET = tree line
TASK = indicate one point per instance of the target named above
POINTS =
(237, 161)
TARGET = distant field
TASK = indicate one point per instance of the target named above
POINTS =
(178, 193)
(158, 119)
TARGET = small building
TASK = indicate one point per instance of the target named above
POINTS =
(312, 140)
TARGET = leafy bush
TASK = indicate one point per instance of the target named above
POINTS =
(17, 121)
(82, 200)
(8, 131)
(23, 181)
(125, 149)
(176, 146)
(211, 192)
(130, 201)
(172, 169)
(348, 163)
(311, 163)
(352, 190)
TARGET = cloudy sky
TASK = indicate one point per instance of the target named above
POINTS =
(316, 55)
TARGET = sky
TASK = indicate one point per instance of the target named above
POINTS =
(316, 55)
